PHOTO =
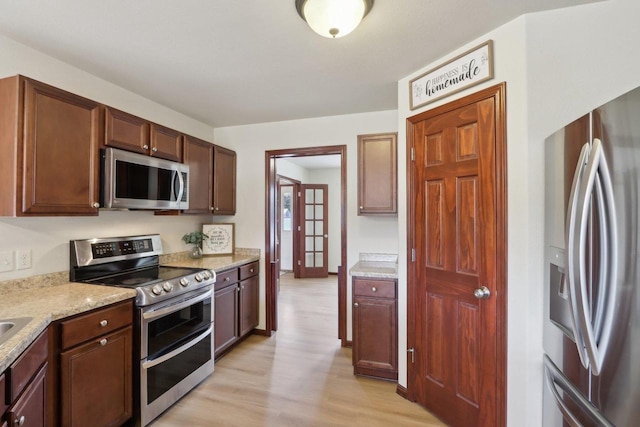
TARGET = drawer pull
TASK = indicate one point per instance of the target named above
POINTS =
(226, 279)
(20, 421)
(242, 287)
(374, 289)
(103, 342)
(251, 270)
(104, 323)
(355, 304)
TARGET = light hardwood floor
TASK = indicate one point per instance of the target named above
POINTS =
(298, 377)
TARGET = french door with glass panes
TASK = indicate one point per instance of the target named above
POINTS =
(312, 231)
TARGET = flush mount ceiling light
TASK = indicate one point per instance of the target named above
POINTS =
(333, 18)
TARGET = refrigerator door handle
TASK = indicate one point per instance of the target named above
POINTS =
(553, 379)
(598, 183)
(572, 239)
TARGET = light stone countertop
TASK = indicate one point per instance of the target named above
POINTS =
(51, 297)
(383, 266)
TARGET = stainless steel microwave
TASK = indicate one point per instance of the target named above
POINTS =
(135, 181)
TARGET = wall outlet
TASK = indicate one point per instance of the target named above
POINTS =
(23, 259)
(6, 261)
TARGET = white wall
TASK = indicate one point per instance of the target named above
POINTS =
(558, 65)
(48, 238)
(251, 142)
(331, 177)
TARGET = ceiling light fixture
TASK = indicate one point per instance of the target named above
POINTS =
(333, 18)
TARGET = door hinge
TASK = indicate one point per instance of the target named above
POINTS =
(299, 229)
(413, 352)
(299, 194)
(413, 154)
(413, 255)
(299, 262)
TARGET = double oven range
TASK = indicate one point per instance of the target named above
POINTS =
(174, 315)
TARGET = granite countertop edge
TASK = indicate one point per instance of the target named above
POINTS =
(375, 269)
(51, 297)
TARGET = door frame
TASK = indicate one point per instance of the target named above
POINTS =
(499, 93)
(284, 181)
(271, 229)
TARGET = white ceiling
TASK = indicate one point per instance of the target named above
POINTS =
(227, 62)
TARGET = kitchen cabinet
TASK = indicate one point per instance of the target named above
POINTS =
(132, 133)
(49, 150)
(95, 359)
(26, 386)
(224, 181)
(236, 305)
(198, 154)
(375, 327)
(377, 174)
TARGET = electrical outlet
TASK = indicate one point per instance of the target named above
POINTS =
(6, 261)
(23, 259)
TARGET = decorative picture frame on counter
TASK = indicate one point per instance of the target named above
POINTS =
(221, 239)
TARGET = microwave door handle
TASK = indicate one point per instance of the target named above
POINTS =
(572, 239)
(180, 180)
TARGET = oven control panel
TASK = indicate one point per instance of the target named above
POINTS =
(123, 247)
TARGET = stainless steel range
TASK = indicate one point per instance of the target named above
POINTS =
(174, 315)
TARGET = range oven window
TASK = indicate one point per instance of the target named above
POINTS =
(174, 329)
(162, 377)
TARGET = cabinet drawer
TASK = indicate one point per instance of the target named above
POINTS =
(26, 366)
(29, 410)
(374, 288)
(226, 278)
(88, 326)
(249, 270)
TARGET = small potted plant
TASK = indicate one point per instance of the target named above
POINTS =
(195, 238)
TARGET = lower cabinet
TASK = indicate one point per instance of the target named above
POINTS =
(94, 354)
(236, 305)
(30, 409)
(375, 328)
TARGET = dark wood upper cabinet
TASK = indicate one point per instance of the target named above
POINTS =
(198, 154)
(224, 181)
(49, 143)
(378, 174)
(132, 133)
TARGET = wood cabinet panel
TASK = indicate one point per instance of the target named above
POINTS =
(249, 270)
(226, 317)
(3, 399)
(29, 409)
(165, 143)
(225, 278)
(224, 181)
(126, 131)
(377, 174)
(79, 329)
(198, 154)
(375, 328)
(26, 365)
(249, 300)
(96, 381)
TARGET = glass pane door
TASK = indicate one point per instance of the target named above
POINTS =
(314, 235)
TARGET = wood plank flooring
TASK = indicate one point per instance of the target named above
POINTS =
(298, 377)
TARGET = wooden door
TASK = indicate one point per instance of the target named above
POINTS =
(126, 131)
(249, 301)
(378, 174)
(313, 233)
(30, 409)
(165, 143)
(226, 317)
(224, 181)
(458, 330)
(198, 155)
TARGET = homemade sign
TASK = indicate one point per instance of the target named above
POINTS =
(220, 241)
(471, 68)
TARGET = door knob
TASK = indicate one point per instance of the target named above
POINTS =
(482, 293)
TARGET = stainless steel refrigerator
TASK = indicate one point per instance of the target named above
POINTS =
(592, 269)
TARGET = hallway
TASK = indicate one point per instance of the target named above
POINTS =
(299, 377)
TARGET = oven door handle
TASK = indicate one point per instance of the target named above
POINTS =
(153, 314)
(151, 363)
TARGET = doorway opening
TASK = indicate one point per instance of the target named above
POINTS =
(273, 236)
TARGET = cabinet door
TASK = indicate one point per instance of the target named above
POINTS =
(377, 174)
(165, 143)
(96, 381)
(224, 181)
(198, 155)
(226, 318)
(249, 295)
(375, 348)
(62, 134)
(126, 131)
(29, 409)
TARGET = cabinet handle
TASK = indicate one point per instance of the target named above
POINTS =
(104, 323)
(374, 289)
(355, 304)
(154, 149)
(96, 205)
(212, 208)
(237, 288)
(103, 342)
(226, 279)
(145, 146)
(242, 287)
(251, 270)
(361, 208)
(20, 421)
(217, 209)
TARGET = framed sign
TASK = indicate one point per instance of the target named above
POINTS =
(220, 241)
(469, 69)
